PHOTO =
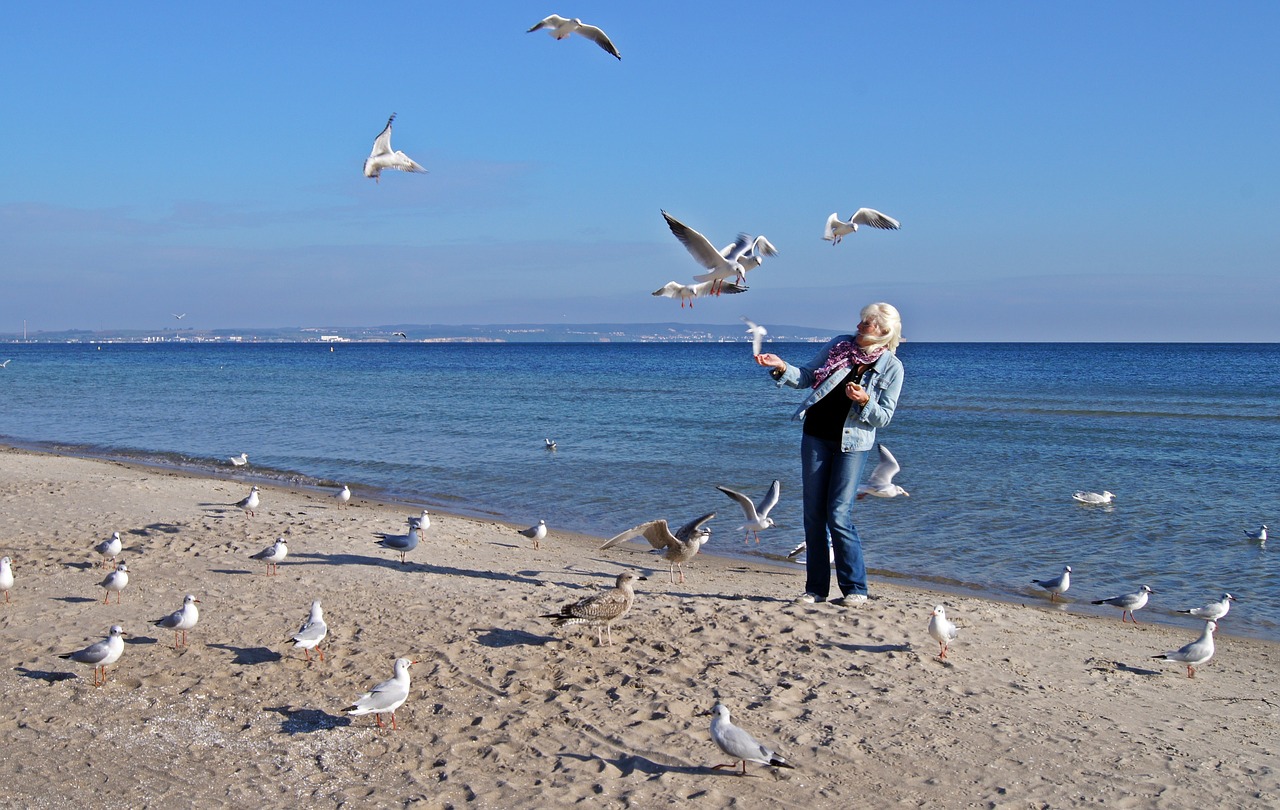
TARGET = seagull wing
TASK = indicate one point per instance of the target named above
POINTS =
(382, 144)
(830, 232)
(748, 508)
(669, 290)
(882, 475)
(655, 531)
(872, 217)
(771, 498)
(554, 21)
(693, 527)
(598, 37)
(697, 244)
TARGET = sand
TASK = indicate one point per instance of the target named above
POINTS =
(1034, 707)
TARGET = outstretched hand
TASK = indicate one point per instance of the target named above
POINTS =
(771, 361)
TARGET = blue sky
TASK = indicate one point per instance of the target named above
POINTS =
(1069, 171)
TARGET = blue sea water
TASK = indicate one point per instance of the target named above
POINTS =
(992, 438)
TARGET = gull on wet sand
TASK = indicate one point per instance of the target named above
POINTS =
(599, 610)
(311, 633)
(6, 576)
(757, 516)
(880, 484)
(382, 157)
(678, 548)
(240, 460)
(101, 654)
(1057, 585)
(109, 549)
(1128, 602)
(560, 28)
(1094, 498)
(1196, 653)
(536, 533)
(942, 630)
(403, 543)
(250, 502)
(272, 555)
(181, 620)
(115, 581)
(688, 292)
(343, 496)
(1212, 611)
(740, 745)
(758, 334)
(387, 696)
(838, 229)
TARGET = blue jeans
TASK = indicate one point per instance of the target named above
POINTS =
(830, 488)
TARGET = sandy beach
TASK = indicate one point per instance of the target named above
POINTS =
(1034, 707)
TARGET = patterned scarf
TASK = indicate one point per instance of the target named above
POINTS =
(843, 355)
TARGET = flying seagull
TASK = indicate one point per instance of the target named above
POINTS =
(722, 263)
(688, 292)
(179, 317)
(383, 158)
(757, 333)
(757, 516)
(880, 484)
(560, 28)
(837, 229)
(679, 548)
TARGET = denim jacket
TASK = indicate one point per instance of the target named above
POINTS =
(883, 382)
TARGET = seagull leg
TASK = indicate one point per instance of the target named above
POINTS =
(320, 651)
(377, 718)
(1191, 671)
(393, 722)
(105, 596)
(942, 650)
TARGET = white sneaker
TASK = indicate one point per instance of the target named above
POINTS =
(851, 599)
(807, 598)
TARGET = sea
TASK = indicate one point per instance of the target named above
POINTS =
(992, 438)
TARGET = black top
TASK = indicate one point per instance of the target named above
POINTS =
(825, 418)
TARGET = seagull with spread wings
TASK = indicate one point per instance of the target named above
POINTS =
(678, 548)
(561, 28)
(838, 229)
(382, 157)
(757, 516)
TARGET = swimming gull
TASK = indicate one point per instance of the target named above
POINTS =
(101, 654)
(757, 516)
(560, 28)
(115, 581)
(757, 333)
(181, 620)
(311, 633)
(1057, 585)
(1260, 535)
(387, 696)
(740, 745)
(880, 484)
(6, 576)
(837, 229)
(536, 533)
(1094, 498)
(403, 543)
(942, 630)
(679, 548)
(1195, 653)
(272, 555)
(343, 496)
(550, 445)
(722, 263)
(109, 549)
(688, 292)
(1212, 611)
(250, 502)
(601, 609)
(240, 460)
(1128, 602)
(383, 158)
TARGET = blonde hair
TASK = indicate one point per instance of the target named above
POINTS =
(887, 317)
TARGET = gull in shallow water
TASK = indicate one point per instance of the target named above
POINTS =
(272, 555)
(115, 581)
(601, 609)
(1196, 653)
(1260, 535)
(1094, 498)
(837, 229)
(181, 620)
(311, 633)
(536, 533)
(1128, 602)
(561, 28)
(740, 745)
(757, 516)
(6, 576)
(383, 158)
(240, 460)
(679, 548)
(1057, 585)
(101, 654)
(723, 263)
(343, 496)
(757, 333)
(1212, 611)
(250, 502)
(109, 549)
(403, 543)
(550, 445)
(688, 292)
(387, 696)
(942, 630)
(880, 484)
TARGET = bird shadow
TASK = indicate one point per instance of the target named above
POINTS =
(164, 528)
(82, 566)
(1120, 666)
(306, 721)
(74, 600)
(873, 648)
(395, 565)
(44, 675)
(231, 571)
(141, 640)
(497, 638)
(634, 763)
(249, 656)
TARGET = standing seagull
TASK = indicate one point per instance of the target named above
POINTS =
(599, 610)
(272, 556)
(312, 632)
(403, 543)
(688, 292)
(181, 620)
(680, 547)
(6, 577)
(722, 263)
(115, 581)
(109, 549)
(757, 517)
(757, 333)
(1128, 602)
(343, 496)
(1260, 535)
(1057, 585)
(1195, 653)
(387, 696)
(536, 533)
(942, 630)
(240, 460)
(880, 484)
(837, 230)
(740, 745)
(1213, 611)
(250, 502)
(383, 158)
(1094, 498)
(101, 654)
(420, 523)
(560, 28)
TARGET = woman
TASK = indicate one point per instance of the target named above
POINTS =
(855, 381)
